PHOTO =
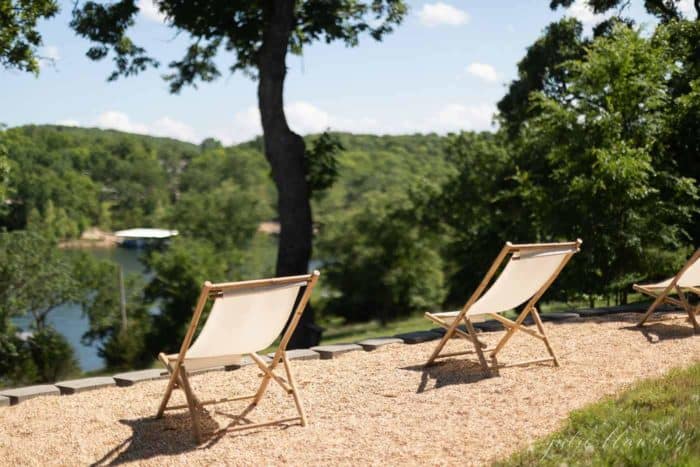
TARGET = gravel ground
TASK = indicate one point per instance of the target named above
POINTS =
(377, 407)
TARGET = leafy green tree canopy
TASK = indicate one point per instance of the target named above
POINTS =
(19, 37)
(595, 164)
(237, 27)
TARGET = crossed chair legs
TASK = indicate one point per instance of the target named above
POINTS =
(195, 405)
(480, 348)
(682, 302)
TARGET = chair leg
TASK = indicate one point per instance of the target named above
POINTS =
(439, 347)
(193, 404)
(509, 333)
(295, 391)
(689, 309)
(657, 301)
(540, 327)
(169, 388)
(261, 390)
(477, 346)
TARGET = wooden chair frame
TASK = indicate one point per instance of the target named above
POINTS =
(511, 326)
(178, 372)
(673, 287)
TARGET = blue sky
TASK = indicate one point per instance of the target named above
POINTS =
(442, 70)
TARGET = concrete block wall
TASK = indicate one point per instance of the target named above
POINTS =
(9, 397)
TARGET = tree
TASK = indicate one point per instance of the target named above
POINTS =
(19, 37)
(542, 69)
(594, 167)
(121, 333)
(4, 169)
(680, 139)
(544, 66)
(179, 272)
(260, 34)
(481, 206)
(665, 10)
(380, 262)
(35, 279)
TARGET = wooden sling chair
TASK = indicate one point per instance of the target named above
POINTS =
(687, 281)
(526, 276)
(245, 318)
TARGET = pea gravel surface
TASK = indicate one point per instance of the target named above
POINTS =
(379, 407)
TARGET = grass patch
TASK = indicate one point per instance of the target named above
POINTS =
(336, 332)
(656, 422)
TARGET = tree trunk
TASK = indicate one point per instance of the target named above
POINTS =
(284, 150)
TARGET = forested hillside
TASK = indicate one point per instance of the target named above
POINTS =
(103, 178)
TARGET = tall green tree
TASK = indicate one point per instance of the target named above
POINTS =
(542, 69)
(680, 140)
(258, 35)
(593, 164)
(380, 261)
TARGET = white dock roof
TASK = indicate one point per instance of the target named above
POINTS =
(145, 233)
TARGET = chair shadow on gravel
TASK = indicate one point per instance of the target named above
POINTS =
(659, 331)
(151, 437)
(172, 435)
(448, 372)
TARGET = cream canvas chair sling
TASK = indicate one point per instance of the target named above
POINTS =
(525, 277)
(686, 281)
(245, 318)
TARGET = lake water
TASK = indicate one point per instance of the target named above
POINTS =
(69, 319)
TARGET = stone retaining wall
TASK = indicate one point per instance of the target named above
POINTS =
(324, 352)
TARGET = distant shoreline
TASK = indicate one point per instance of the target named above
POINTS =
(91, 238)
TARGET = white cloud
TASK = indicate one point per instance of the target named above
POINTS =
(68, 122)
(150, 11)
(484, 71)
(51, 52)
(245, 126)
(164, 126)
(120, 121)
(584, 13)
(305, 118)
(49, 56)
(302, 117)
(687, 8)
(435, 14)
(455, 117)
